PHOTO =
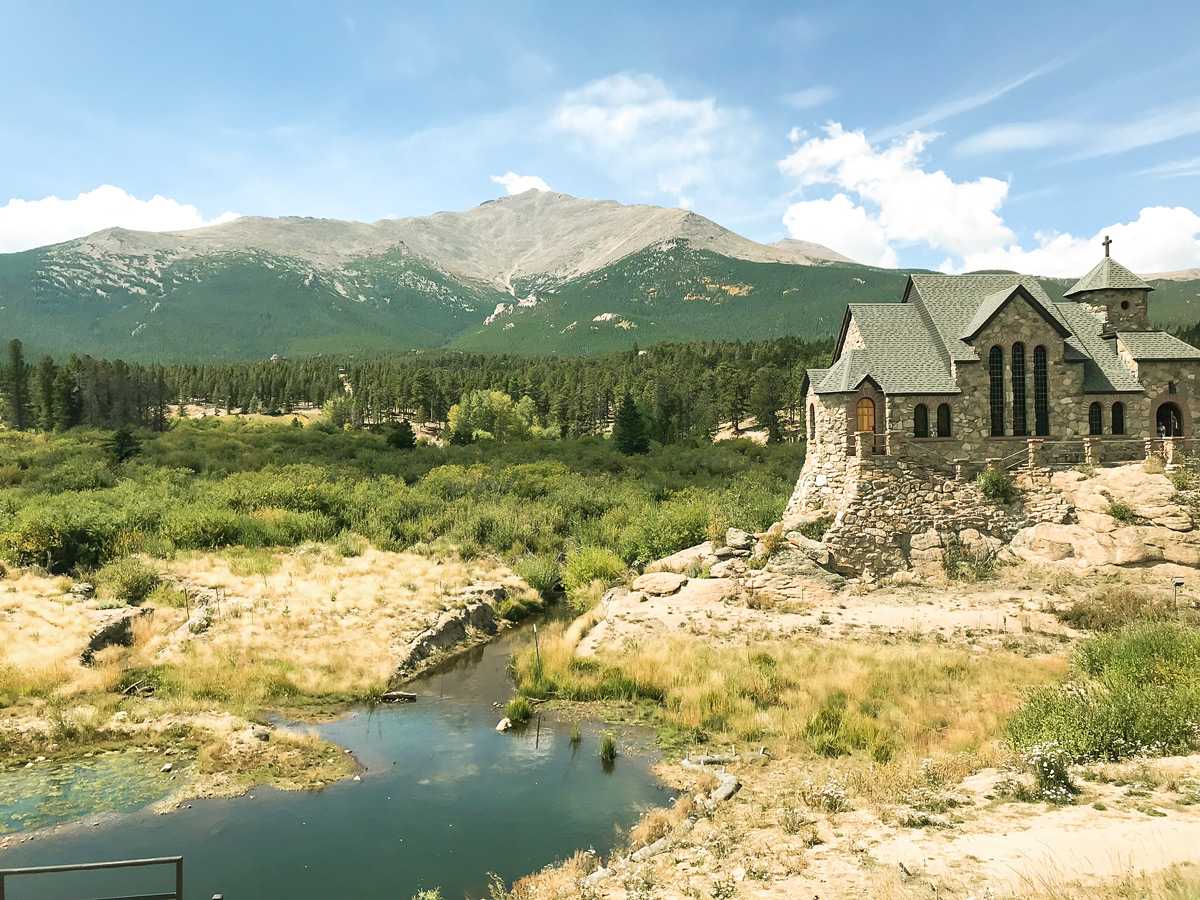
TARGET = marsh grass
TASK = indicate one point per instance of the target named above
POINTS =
(1112, 606)
(835, 699)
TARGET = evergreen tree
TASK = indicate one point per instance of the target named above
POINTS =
(122, 445)
(401, 437)
(766, 398)
(629, 429)
(14, 389)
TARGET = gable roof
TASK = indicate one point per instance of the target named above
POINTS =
(912, 347)
(952, 302)
(1156, 345)
(1108, 275)
(993, 303)
(1104, 372)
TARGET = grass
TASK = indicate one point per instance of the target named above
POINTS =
(1134, 690)
(608, 747)
(1112, 606)
(518, 710)
(831, 699)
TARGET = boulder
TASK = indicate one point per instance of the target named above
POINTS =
(659, 583)
(738, 539)
(814, 550)
(82, 589)
(728, 568)
(729, 552)
(504, 725)
(679, 562)
(451, 628)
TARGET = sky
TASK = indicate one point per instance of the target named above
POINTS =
(952, 136)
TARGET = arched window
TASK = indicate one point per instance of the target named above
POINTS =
(1171, 389)
(1095, 419)
(943, 420)
(812, 422)
(921, 420)
(1118, 418)
(1041, 393)
(996, 389)
(1020, 421)
(866, 414)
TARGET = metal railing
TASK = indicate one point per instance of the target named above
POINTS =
(176, 861)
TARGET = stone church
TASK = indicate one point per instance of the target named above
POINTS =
(983, 369)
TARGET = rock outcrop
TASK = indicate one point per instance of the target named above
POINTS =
(453, 627)
(115, 630)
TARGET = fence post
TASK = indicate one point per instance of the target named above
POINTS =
(1091, 445)
(1169, 450)
(1034, 448)
(179, 879)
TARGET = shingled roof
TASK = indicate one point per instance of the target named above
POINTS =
(909, 348)
(1108, 275)
(1147, 346)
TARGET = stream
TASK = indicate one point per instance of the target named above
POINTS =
(443, 801)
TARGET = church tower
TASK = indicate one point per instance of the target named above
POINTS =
(1123, 296)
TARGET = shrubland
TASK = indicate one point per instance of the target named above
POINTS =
(564, 511)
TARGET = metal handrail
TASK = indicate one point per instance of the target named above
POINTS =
(176, 861)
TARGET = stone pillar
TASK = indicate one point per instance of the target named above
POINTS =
(1091, 450)
(893, 442)
(1034, 447)
(994, 462)
(1170, 450)
(1149, 448)
(960, 470)
(864, 444)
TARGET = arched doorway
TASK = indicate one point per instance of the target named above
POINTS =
(1169, 420)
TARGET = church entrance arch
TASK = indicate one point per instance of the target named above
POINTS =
(1168, 420)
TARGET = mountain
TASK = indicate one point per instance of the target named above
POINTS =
(534, 273)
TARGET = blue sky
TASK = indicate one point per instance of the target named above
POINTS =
(918, 134)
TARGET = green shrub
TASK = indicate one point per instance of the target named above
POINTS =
(1136, 690)
(128, 579)
(518, 710)
(542, 573)
(200, 528)
(587, 564)
(816, 530)
(1111, 607)
(996, 485)
(1122, 512)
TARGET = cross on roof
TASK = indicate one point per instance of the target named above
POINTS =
(1106, 242)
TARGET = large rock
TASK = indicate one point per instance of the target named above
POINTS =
(738, 539)
(679, 562)
(659, 583)
(452, 627)
(1136, 546)
(115, 630)
(814, 550)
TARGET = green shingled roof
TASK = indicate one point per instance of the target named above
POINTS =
(910, 347)
(953, 300)
(903, 355)
(1108, 275)
(1103, 370)
(1155, 345)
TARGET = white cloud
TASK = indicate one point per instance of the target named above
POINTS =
(810, 97)
(900, 201)
(519, 184)
(1160, 239)
(34, 223)
(840, 224)
(636, 128)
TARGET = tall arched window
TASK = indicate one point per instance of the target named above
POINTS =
(921, 421)
(1041, 393)
(1118, 418)
(812, 422)
(996, 389)
(1020, 421)
(866, 414)
(1095, 419)
(943, 420)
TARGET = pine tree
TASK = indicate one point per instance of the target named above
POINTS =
(629, 429)
(14, 389)
(401, 437)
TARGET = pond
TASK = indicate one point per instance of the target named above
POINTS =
(443, 801)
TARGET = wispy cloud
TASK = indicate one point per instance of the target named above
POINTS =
(810, 97)
(961, 105)
(1088, 139)
(1184, 168)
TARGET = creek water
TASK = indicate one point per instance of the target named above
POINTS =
(443, 801)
